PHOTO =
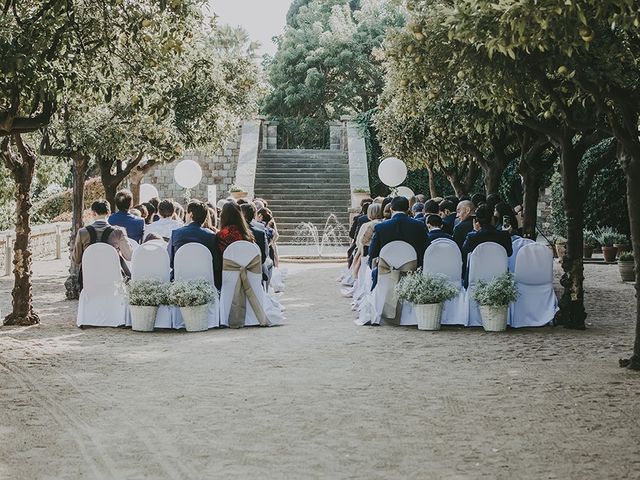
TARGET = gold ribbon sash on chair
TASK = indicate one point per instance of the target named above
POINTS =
(243, 292)
(392, 310)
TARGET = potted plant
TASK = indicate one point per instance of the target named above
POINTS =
(145, 296)
(237, 192)
(427, 293)
(621, 243)
(494, 298)
(590, 242)
(626, 265)
(607, 236)
(193, 297)
(560, 245)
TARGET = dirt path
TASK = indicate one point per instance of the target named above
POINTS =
(318, 397)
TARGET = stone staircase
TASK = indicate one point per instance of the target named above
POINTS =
(304, 186)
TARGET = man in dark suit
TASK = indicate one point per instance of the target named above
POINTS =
(464, 213)
(485, 232)
(122, 218)
(400, 227)
(434, 224)
(194, 233)
(448, 214)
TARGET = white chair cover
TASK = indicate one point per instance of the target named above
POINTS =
(443, 256)
(517, 244)
(537, 303)
(487, 261)
(363, 284)
(242, 253)
(103, 300)
(134, 244)
(193, 261)
(151, 262)
(396, 254)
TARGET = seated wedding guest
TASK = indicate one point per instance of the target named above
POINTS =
(434, 225)
(365, 235)
(484, 232)
(178, 212)
(155, 201)
(265, 217)
(464, 214)
(448, 214)
(517, 242)
(356, 224)
(400, 227)
(241, 201)
(122, 218)
(437, 199)
(101, 231)
(478, 199)
(453, 199)
(155, 239)
(420, 198)
(152, 212)
(135, 212)
(412, 202)
(211, 223)
(233, 227)
(504, 213)
(193, 232)
(418, 211)
(257, 229)
(493, 199)
(386, 212)
(431, 208)
(166, 224)
(144, 213)
(259, 204)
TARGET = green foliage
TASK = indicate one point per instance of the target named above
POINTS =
(558, 218)
(421, 289)
(626, 257)
(49, 209)
(499, 292)
(308, 133)
(192, 293)
(148, 293)
(590, 239)
(608, 236)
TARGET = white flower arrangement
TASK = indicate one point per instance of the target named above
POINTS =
(192, 293)
(148, 293)
(422, 289)
(499, 292)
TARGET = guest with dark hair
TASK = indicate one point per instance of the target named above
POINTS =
(493, 199)
(193, 232)
(386, 201)
(386, 212)
(434, 225)
(478, 199)
(357, 223)
(448, 214)
(484, 231)
(464, 213)
(155, 201)
(431, 208)
(144, 213)
(166, 224)
(258, 230)
(122, 218)
(453, 199)
(505, 218)
(418, 211)
(212, 218)
(233, 227)
(152, 212)
(154, 237)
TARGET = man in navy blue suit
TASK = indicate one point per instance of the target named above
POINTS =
(448, 214)
(485, 232)
(122, 218)
(434, 224)
(400, 227)
(194, 233)
(464, 213)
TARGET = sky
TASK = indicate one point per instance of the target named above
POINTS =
(263, 19)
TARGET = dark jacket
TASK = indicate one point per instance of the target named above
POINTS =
(461, 231)
(355, 225)
(437, 234)
(400, 227)
(132, 224)
(194, 233)
(484, 235)
(449, 223)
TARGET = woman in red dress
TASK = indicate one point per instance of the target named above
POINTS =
(233, 227)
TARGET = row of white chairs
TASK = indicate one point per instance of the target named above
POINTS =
(104, 303)
(536, 305)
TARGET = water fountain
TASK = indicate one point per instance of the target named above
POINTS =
(331, 240)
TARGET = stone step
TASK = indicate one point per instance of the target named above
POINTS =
(302, 197)
(311, 175)
(326, 186)
(289, 167)
(302, 153)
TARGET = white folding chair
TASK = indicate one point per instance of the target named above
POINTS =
(103, 300)
(151, 262)
(243, 253)
(537, 303)
(396, 255)
(193, 261)
(488, 261)
(517, 244)
(443, 257)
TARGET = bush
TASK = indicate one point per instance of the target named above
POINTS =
(421, 289)
(192, 294)
(626, 257)
(499, 292)
(45, 211)
(590, 239)
(607, 236)
(148, 293)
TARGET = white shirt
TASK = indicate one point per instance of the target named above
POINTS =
(162, 227)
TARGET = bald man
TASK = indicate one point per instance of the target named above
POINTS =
(464, 214)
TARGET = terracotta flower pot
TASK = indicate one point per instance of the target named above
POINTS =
(609, 253)
(627, 270)
(239, 195)
(587, 252)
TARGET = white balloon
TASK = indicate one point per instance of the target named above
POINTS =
(187, 174)
(147, 192)
(392, 171)
(404, 192)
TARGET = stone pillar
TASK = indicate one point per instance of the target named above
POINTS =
(358, 165)
(264, 132)
(336, 130)
(272, 136)
(248, 156)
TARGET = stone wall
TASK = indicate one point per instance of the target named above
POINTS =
(218, 169)
(544, 211)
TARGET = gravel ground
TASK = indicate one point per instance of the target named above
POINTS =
(319, 397)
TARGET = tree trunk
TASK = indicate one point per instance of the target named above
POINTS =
(80, 164)
(110, 190)
(22, 172)
(572, 312)
(492, 178)
(135, 189)
(433, 191)
(532, 181)
(457, 186)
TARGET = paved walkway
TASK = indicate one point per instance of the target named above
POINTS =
(318, 397)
